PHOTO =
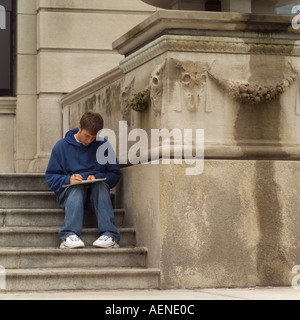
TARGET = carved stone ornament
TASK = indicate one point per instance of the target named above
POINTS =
(125, 95)
(254, 93)
(156, 88)
(189, 82)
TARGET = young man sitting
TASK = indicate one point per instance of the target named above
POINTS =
(72, 160)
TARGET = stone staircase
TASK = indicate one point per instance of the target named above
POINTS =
(29, 222)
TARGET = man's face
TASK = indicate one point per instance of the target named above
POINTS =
(85, 137)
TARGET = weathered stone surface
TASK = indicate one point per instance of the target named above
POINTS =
(237, 224)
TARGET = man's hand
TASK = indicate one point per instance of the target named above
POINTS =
(91, 178)
(75, 178)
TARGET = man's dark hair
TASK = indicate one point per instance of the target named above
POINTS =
(91, 122)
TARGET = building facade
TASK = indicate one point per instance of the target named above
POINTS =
(49, 48)
(235, 74)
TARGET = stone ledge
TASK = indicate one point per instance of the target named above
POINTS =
(266, 26)
(8, 105)
(211, 44)
(92, 86)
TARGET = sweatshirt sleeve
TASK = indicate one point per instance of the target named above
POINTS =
(55, 174)
(110, 171)
(112, 174)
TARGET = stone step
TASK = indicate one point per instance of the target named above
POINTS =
(30, 219)
(23, 258)
(31, 200)
(47, 279)
(28, 200)
(48, 218)
(23, 182)
(48, 237)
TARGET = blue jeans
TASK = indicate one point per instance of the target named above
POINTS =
(95, 197)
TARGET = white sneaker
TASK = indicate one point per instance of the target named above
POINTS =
(72, 242)
(105, 242)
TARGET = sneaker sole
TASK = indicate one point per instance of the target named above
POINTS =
(106, 247)
(62, 246)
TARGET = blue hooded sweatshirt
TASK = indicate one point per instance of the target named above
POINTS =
(69, 157)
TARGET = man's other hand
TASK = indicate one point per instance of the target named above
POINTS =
(75, 178)
(91, 178)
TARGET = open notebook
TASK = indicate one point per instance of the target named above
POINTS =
(83, 182)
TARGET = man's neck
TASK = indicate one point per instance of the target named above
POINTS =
(75, 136)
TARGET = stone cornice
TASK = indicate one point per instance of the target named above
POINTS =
(175, 43)
(272, 27)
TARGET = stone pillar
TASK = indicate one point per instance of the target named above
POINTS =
(243, 6)
(26, 85)
(191, 5)
(7, 134)
(265, 7)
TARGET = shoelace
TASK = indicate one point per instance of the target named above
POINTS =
(73, 237)
(104, 238)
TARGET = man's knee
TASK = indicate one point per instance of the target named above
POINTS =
(100, 188)
(76, 192)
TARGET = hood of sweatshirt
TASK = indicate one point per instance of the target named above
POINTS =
(69, 137)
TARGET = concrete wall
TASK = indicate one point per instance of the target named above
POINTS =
(235, 225)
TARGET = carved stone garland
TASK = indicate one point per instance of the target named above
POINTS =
(254, 93)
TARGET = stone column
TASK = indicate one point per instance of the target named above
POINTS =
(7, 134)
(237, 6)
(26, 85)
